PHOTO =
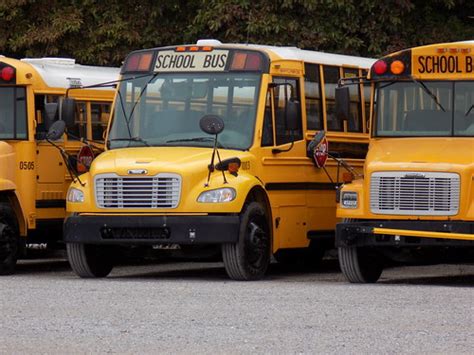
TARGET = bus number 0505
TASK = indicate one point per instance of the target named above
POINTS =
(27, 165)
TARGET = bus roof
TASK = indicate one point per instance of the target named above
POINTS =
(65, 73)
(294, 53)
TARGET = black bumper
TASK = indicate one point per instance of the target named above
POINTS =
(360, 233)
(142, 230)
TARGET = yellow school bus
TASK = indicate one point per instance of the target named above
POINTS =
(207, 146)
(33, 176)
(416, 200)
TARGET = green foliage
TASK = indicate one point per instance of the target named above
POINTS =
(103, 32)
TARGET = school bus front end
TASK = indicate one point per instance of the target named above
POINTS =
(416, 200)
(164, 181)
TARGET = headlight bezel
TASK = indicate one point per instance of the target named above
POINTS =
(75, 195)
(349, 199)
(220, 195)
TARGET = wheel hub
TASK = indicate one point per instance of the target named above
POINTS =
(256, 244)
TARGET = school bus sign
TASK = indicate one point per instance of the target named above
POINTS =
(458, 62)
(172, 61)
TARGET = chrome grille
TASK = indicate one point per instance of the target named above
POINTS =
(414, 193)
(159, 191)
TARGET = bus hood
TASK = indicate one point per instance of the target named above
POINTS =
(153, 160)
(427, 154)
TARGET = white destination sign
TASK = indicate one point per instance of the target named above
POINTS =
(167, 61)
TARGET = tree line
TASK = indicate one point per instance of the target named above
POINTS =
(103, 32)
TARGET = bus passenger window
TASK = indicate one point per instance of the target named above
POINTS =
(79, 130)
(313, 97)
(331, 77)
(39, 116)
(355, 120)
(99, 117)
(267, 132)
(283, 94)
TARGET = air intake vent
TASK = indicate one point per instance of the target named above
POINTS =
(160, 191)
(414, 193)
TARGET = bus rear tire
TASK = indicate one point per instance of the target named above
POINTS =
(89, 261)
(9, 240)
(248, 259)
(358, 265)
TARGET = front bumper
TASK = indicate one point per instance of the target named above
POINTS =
(150, 230)
(405, 233)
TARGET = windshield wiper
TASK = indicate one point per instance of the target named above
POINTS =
(131, 139)
(129, 117)
(429, 92)
(196, 139)
(469, 111)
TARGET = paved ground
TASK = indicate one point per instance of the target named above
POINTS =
(194, 308)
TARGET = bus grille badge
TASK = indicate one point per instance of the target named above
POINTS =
(137, 172)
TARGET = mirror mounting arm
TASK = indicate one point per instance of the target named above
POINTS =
(277, 150)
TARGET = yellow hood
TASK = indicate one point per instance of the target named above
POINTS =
(427, 154)
(159, 159)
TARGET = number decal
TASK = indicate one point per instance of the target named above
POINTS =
(27, 165)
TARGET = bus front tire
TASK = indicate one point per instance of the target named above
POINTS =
(248, 259)
(89, 261)
(9, 240)
(359, 265)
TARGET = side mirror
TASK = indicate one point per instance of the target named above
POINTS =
(68, 110)
(343, 103)
(56, 131)
(211, 124)
(50, 113)
(292, 115)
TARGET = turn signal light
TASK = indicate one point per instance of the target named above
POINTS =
(233, 167)
(347, 177)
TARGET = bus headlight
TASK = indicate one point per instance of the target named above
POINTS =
(225, 194)
(349, 199)
(75, 195)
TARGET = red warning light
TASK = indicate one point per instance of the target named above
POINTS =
(7, 73)
(380, 67)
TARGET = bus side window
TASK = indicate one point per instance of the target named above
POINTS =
(312, 90)
(39, 116)
(79, 130)
(40, 113)
(283, 93)
(355, 120)
(267, 132)
(331, 77)
(99, 117)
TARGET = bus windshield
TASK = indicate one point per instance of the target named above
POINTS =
(164, 109)
(13, 113)
(425, 109)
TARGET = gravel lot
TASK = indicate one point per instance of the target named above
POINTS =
(186, 307)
